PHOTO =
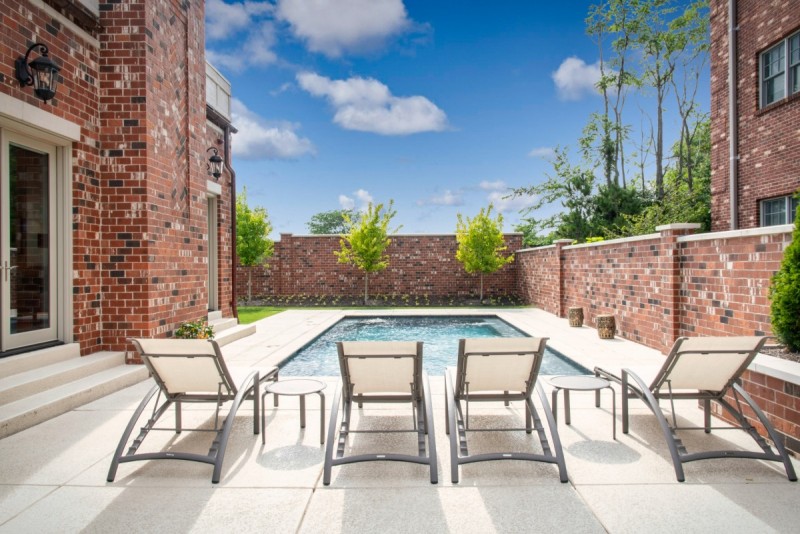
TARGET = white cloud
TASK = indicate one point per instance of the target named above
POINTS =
(333, 27)
(498, 185)
(367, 105)
(225, 20)
(503, 203)
(575, 78)
(545, 152)
(261, 139)
(447, 198)
(362, 196)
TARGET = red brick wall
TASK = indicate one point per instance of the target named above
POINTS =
(418, 265)
(670, 285)
(769, 139)
(136, 87)
(539, 277)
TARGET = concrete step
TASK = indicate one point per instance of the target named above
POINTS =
(222, 324)
(26, 383)
(35, 409)
(230, 335)
(214, 316)
(39, 358)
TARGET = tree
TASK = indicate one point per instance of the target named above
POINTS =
(784, 292)
(364, 244)
(683, 202)
(481, 244)
(570, 185)
(331, 222)
(253, 245)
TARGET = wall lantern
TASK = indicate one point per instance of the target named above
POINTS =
(214, 163)
(41, 73)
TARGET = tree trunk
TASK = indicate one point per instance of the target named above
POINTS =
(660, 145)
(249, 285)
(366, 287)
(480, 295)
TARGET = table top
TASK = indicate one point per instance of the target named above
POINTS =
(579, 382)
(295, 386)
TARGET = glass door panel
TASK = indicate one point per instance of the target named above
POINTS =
(27, 250)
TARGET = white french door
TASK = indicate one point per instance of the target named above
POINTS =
(28, 248)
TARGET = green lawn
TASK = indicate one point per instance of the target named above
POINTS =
(251, 314)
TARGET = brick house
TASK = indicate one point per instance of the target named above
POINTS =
(763, 38)
(112, 225)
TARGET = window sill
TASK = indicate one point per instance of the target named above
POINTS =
(780, 103)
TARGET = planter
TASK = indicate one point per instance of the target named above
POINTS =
(575, 316)
(606, 326)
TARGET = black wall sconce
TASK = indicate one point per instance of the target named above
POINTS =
(41, 73)
(214, 164)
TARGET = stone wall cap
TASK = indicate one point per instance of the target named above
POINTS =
(678, 226)
(748, 232)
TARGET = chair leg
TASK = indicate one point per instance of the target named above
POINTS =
(332, 425)
(625, 395)
(451, 421)
(178, 417)
(430, 430)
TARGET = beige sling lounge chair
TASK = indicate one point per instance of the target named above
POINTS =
(706, 369)
(190, 370)
(499, 369)
(381, 372)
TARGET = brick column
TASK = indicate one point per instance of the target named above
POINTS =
(670, 279)
(560, 244)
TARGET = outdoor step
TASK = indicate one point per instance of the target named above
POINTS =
(214, 316)
(38, 358)
(236, 332)
(19, 385)
(30, 411)
(222, 324)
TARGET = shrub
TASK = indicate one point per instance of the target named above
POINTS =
(784, 292)
(194, 330)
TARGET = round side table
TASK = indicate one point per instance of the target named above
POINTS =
(297, 387)
(582, 383)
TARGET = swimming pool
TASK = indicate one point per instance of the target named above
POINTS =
(439, 334)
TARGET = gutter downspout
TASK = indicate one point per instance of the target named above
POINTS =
(234, 258)
(733, 117)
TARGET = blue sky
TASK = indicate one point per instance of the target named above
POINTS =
(441, 106)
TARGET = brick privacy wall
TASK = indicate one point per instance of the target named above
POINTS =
(418, 265)
(136, 87)
(769, 139)
(539, 277)
(664, 286)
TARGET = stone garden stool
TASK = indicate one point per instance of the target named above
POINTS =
(575, 316)
(606, 326)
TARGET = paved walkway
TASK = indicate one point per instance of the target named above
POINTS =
(52, 476)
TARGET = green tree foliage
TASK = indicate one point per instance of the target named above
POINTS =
(364, 244)
(612, 205)
(481, 244)
(253, 245)
(784, 292)
(570, 186)
(331, 222)
(686, 200)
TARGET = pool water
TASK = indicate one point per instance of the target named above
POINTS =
(439, 334)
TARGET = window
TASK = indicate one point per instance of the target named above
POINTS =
(780, 71)
(780, 210)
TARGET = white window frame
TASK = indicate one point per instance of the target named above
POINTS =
(790, 70)
(789, 209)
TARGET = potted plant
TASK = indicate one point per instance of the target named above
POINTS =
(194, 330)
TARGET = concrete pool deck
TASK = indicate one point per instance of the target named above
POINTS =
(52, 476)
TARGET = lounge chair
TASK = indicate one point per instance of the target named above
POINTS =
(706, 369)
(190, 370)
(499, 369)
(381, 372)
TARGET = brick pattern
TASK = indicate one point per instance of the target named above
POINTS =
(769, 139)
(418, 265)
(664, 287)
(139, 216)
